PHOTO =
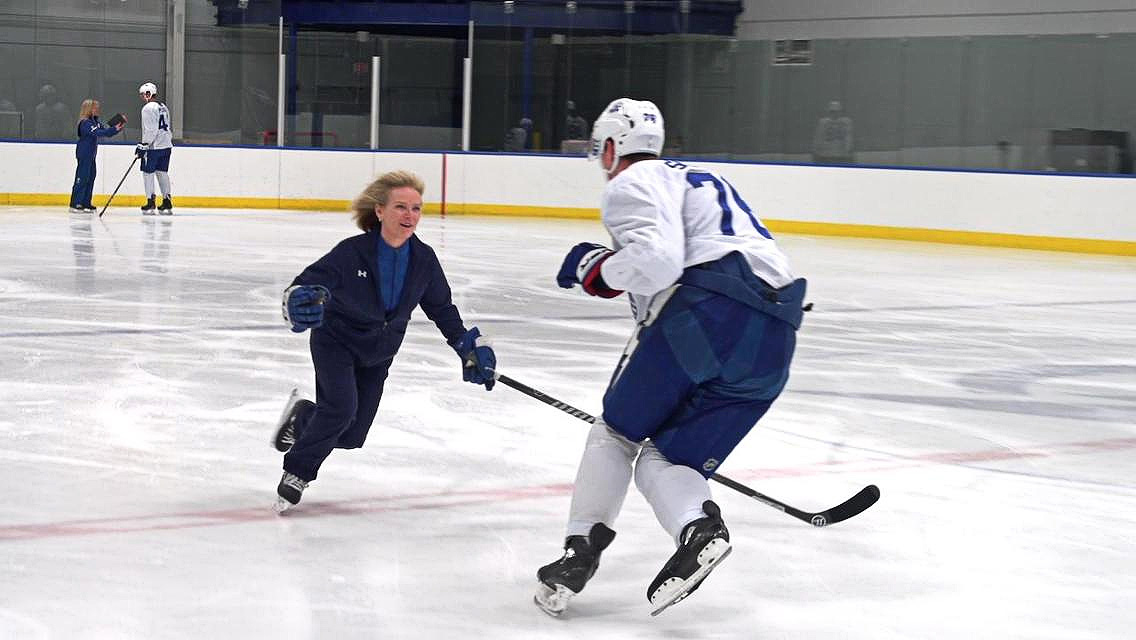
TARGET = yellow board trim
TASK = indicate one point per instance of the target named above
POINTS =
(223, 202)
(978, 238)
(524, 211)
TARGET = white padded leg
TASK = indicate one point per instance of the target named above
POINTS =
(601, 480)
(675, 492)
(163, 182)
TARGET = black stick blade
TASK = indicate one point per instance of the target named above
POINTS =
(850, 507)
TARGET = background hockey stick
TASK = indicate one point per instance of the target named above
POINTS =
(119, 186)
(850, 507)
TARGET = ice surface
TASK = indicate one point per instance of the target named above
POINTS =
(990, 393)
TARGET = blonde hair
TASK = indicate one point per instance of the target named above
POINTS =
(376, 193)
(87, 108)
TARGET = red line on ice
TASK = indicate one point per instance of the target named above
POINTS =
(448, 499)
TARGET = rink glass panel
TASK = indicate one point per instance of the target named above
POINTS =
(1020, 102)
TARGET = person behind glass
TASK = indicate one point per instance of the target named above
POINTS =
(51, 121)
(575, 126)
(89, 130)
(516, 139)
(357, 301)
(832, 139)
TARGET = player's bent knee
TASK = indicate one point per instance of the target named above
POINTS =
(351, 443)
(603, 435)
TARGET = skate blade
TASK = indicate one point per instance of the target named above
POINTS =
(293, 398)
(712, 554)
(281, 505)
(552, 601)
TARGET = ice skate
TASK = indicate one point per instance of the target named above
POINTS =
(296, 410)
(567, 576)
(705, 543)
(148, 208)
(167, 207)
(289, 492)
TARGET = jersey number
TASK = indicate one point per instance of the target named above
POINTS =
(726, 192)
(162, 122)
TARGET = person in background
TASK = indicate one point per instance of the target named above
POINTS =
(832, 141)
(89, 131)
(517, 138)
(357, 301)
(575, 126)
(51, 121)
(155, 149)
(717, 310)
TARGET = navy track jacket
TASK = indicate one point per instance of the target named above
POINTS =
(355, 316)
(89, 131)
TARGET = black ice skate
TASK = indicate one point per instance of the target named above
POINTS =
(567, 576)
(148, 208)
(167, 207)
(289, 492)
(705, 543)
(296, 412)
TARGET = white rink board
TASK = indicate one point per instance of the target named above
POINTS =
(1090, 207)
(1030, 204)
(518, 180)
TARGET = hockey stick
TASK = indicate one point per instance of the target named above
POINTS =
(119, 186)
(850, 507)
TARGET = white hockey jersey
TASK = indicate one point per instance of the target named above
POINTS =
(664, 216)
(156, 130)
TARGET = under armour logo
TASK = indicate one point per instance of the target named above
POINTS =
(362, 273)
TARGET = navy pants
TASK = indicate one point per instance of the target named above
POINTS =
(347, 398)
(84, 183)
(156, 160)
(699, 377)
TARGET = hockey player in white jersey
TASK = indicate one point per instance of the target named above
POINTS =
(155, 149)
(717, 309)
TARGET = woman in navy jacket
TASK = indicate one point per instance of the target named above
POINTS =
(89, 131)
(357, 300)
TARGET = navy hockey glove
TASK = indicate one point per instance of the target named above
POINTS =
(303, 306)
(140, 150)
(582, 266)
(478, 359)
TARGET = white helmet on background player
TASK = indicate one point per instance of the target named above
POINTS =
(148, 87)
(634, 126)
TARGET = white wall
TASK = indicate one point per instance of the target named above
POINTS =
(1053, 206)
(779, 19)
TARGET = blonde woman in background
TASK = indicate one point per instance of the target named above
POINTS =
(89, 131)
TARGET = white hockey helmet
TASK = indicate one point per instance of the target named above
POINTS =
(148, 87)
(634, 126)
